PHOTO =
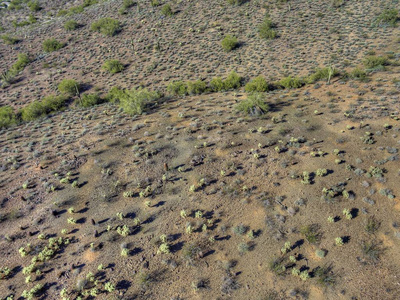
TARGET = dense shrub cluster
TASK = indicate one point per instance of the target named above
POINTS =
(7, 116)
(372, 62)
(39, 109)
(106, 26)
(69, 87)
(51, 45)
(254, 105)
(291, 82)
(258, 84)
(88, 100)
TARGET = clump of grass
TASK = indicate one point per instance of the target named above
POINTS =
(106, 26)
(371, 225)
(323, 74)
(191, 252)
(9, 40)
(266, 30)
(51, 45)
(358, 74)
(134, 101)
(113, 66)
(325, 276)
(291, 82)
(389, 16)
(258, 84)
(254, 105)
(167, 11)
(229, 43)
(373, 62)
(311, 233)
(39, 109)
(7, 116)
(71, 25)
(372, 250)
(69, 87)
(278, 266)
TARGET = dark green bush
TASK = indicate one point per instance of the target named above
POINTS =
(34, 5)
(69, 87)
(51, 45)
(196, 87)
(15, 5)
(372, 62)
(134, 101)
(177, 88)
(359, 74)
(87, 3)
(9, 40)
(7, 117)
(39, 109)
(71, 25)
(22, 61)
(323, 74)
(235, 2)
(291, 82)
(88, 100)
(266, 30)
(389, 16)
(229, 43)
(166, 10)
(113, 66)
(233, 81)
(258, 84)
(217, 84)
(106, 26)
(254, 105)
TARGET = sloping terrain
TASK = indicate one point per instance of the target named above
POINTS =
(195, 198)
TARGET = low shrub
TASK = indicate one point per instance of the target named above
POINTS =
(323, 74)
(39, 109)
(196, 87)
(389, 16)
(69, 87)
(235, 2)
(113, 66)
(51, 45)
(291, 82)
(258, 84)
(87, 3)
(71, 25)
(254, 105)
(106, 26)
(22, 61)
(34, 5)
(233, 81)
(7, 116)
(359, 74)
(372, 62)
(134, 101)
(177, 88)
(217, 84)
(229, 43)
(166, 10)
(9, 40)
(266, 30)
(88, 100)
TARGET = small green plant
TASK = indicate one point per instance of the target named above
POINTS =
(347, 214)
(34, 5)
(7, 117)
(113, 66)
(258, 84)
(229, 43)
(311, 233)
(51, 45)
(88, 100)
(375, 62)
(167, 11)
(233, 81)
(339, 241)
(371, 225)
(235, 2)
(106, 26)
(123, 230)
(69, 87)
(109, 287)
(9, 40)
(389, 16)
(278, 266)
(254, 105)
(71, 25)
(372, 250)
(323, 74)
(217, 84)
(39, 109)
(325, 276)
(266, 30)
(291, 82)
(304, 275)
(196, 87)
(320, 253)
(321, 172)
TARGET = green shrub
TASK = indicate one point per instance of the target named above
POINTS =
(22, 61)
(133, 101)
(39, 109)
(62, 12)
(113, 66)
(154, 3)
(88, 100)
(359, 74)
(254, 105)
(34, 5)
(235, 2)
(233, 81)
(106, 26)
(87, 3)
(217, 84)
(258, 84)
(7, 117)
(291, 82)
(15, 5)
(128, 4)
(266, 30)
(76, 10)
(196, 87)
(389, 16)
(372, 62)
(51, 45)
(337, 3)
(7, 78)
(9, 40)
(71, 25)
(166, 10)
(69, 87)
(229, 43)
(323, 74)
(177, 88)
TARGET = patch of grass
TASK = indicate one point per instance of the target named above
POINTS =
(372, 250)
(325, 276)
(113, 66)
(266, 30)
(291, 82)
(9, 40)
(258, 84)
(7, 117)
(106, 26)
(51, 45)
(323, 74)
(229, 43)
(22, 61)
(134, 101)
(373, 62)
(71, 25)
(34, 5)
(371, 225)
(389, 16)
(311, 233)
(39, 109)
(254, 105)
(69, 87)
